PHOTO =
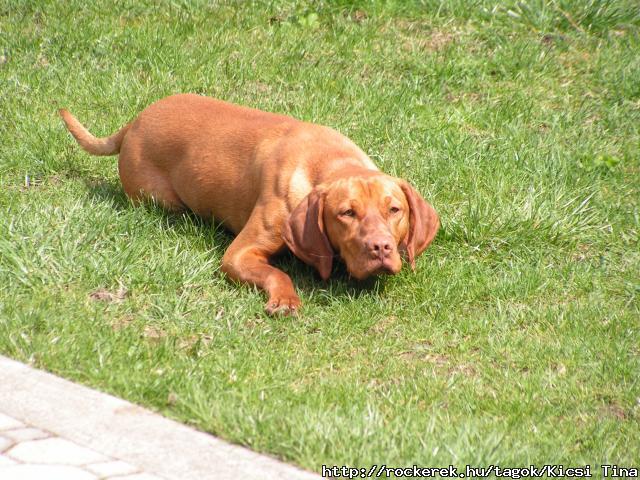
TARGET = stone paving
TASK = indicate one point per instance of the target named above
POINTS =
(28, 453)
(53, 429)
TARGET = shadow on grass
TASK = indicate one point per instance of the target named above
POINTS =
(106, 191)
(304, 277)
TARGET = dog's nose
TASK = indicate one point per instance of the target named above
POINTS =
(379, 246)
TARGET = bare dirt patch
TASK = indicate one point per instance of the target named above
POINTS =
(104, 295)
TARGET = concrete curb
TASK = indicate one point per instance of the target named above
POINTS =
(128, 432)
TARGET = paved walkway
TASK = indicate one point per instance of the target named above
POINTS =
(53, 429)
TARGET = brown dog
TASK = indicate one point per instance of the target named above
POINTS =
(272, 180)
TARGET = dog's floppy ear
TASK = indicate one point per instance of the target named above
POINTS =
(305, 236)
(423, 224)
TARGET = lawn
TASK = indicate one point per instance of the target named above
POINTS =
(515, 342)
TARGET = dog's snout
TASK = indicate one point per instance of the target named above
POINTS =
(379, 246)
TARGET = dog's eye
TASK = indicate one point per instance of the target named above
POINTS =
(394, 209)
(348, 213)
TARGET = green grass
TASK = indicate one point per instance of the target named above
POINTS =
(515, 341)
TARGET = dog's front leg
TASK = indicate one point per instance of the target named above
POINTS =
(247, 260)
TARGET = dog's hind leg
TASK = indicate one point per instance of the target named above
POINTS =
(144, 182)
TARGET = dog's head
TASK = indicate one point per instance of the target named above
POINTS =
(367, 220)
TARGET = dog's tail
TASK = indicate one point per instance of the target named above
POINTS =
(95, 146)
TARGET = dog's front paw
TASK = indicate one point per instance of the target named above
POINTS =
(287, 304)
